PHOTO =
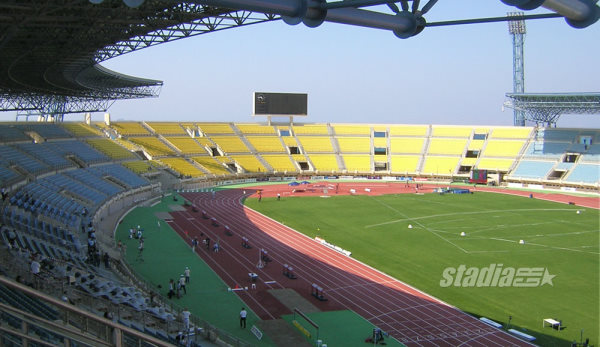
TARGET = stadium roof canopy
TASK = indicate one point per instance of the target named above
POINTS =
(547, 108)
(50, 50)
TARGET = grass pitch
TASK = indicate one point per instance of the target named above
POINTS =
(556, 238)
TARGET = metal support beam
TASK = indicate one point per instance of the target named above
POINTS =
(578, 13)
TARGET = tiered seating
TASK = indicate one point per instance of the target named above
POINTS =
(586, 173)
(408, 130)
(186, 145)
(130, 128)
(447, 146)
(310, 129)
(164, 128)
(86, 193)
(544, 149)
(316, 144)
(183, 167)
(249, 162)
(153, 146)
(215, 128)
(110, 148)
(532, 169)
(476, 145)
(451, 131)
(351, 129)
(502, 148)
(81, 129)
(511, 133)
(290, 141)
(266, 144)
(139, 166)
(440, 165)
(10, 133)
(324, 162)
(6, 174)
(279, 162)
(119, 172)
(204, 141)
(354, 144)
(406, 145)
(45, 130)
(89, 178)
(559, 135)
(592, 155)
(256, 129)
(211, 165)
(230, 144)
(80, 149)
(43, 152)
(357, 162)
(10, 156)
(380, 142)
(404, 163)
(495, 164)
(130, 146)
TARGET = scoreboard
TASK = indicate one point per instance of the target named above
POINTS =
(280, 104)
(478, 176)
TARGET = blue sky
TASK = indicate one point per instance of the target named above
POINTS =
(445, 75)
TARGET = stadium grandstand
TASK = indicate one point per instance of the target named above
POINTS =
(68, 187)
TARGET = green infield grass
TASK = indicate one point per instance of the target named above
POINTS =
(418, 239)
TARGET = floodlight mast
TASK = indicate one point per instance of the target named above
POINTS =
(517, 29)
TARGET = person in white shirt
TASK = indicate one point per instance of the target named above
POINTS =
(185, 315)
(243, 315)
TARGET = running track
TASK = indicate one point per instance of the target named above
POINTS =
(410, 316)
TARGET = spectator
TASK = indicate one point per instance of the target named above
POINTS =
(185, 315)
(106, 259)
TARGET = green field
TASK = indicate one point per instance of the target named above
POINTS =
(559, 242)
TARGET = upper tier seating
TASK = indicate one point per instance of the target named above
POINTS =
(110, 148)
(451, 131)
(130, 128)
(230, 144)
(316, 144)
(215, 128)
(406, 145)
(186, 144)
(81, 129)
(266, 144)
(310, 129)
(408, 130)
(153, 146)
(256, 129)
(447, 146)
(354, 144)
(163, 128)
(351, 129)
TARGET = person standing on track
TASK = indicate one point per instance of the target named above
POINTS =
(243, 315)
(207, 242)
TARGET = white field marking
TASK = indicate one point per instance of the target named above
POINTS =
(465, 213)
(567, 234)
(422, 226)
(546, 246)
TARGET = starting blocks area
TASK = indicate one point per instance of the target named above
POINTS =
(336, 328)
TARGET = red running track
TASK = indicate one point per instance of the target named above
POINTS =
(410, 316)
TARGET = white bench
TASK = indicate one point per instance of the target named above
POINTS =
(521, 335)
(491, 322)
(551, 322)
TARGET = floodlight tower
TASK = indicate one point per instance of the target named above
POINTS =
(516, 28)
